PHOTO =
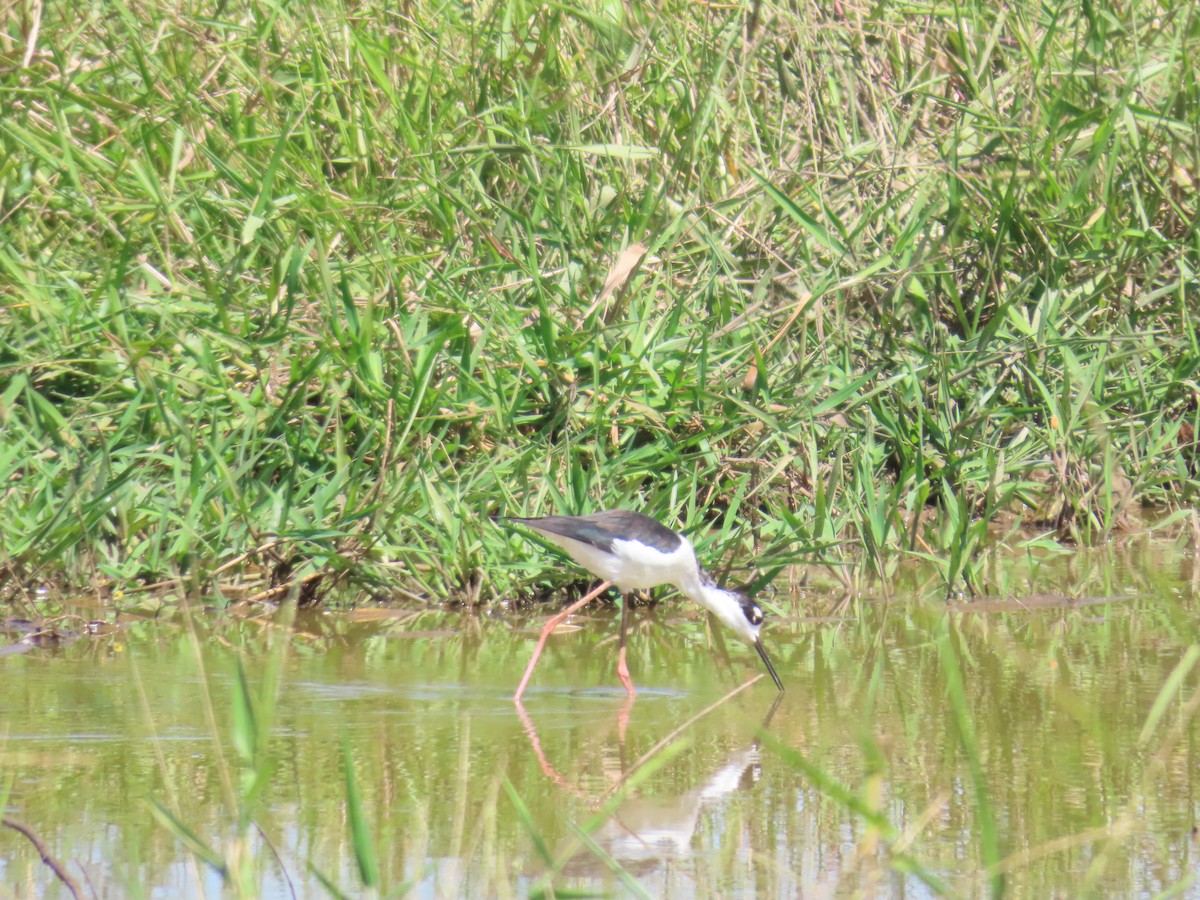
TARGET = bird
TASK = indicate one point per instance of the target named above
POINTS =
(631, 551)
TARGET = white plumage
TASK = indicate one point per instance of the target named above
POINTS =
(634, 552)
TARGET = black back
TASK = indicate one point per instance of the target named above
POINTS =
(602, 528)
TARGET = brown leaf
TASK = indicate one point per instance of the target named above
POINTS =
(619, 274)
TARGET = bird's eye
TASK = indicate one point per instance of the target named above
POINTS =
(753, 612)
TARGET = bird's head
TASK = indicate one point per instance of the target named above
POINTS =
(739, 614)
(734, 609)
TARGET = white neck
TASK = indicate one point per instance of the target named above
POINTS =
(725, 605)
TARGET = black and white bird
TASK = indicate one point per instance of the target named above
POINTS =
(634, 552)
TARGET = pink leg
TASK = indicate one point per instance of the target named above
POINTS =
(554, 622)
(623, 722)
(622, 665)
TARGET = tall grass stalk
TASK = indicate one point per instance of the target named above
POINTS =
(237, 861)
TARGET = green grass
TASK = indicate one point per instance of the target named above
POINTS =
(297, 290)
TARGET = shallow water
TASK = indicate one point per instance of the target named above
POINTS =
(1052, 773)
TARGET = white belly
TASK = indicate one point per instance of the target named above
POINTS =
(632, 566)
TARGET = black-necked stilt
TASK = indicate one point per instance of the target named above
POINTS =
(633, 552)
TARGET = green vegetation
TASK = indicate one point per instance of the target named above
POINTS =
(306, 290)
(238, 864)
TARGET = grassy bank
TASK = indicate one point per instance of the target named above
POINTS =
(311, 290)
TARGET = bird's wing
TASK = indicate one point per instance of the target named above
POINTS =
(601, 529)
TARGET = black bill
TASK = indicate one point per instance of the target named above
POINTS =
(762, 653)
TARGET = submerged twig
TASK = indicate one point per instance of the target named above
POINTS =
(55, 866)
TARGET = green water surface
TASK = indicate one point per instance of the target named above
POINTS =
(1044, 745)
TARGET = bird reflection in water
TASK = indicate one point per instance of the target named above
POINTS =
(644, 831)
